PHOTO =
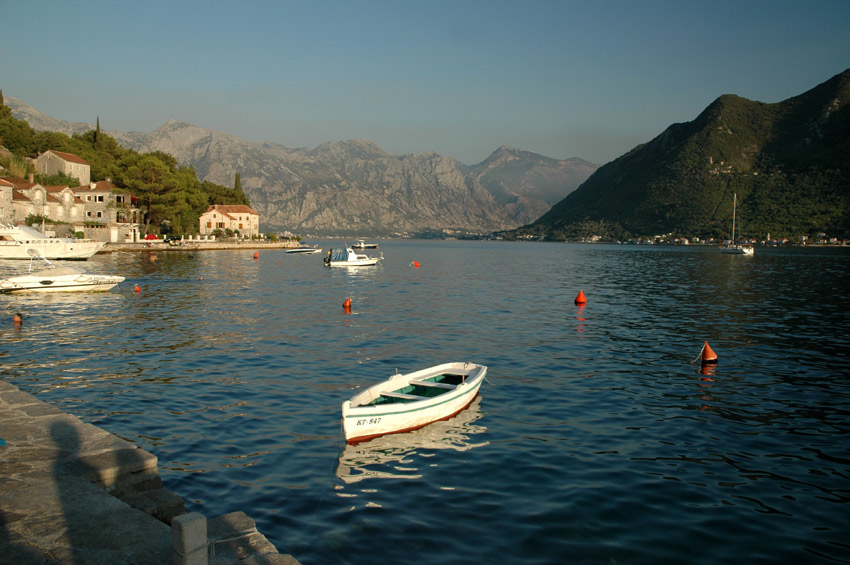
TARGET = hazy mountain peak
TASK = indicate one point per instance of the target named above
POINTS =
(42, 122)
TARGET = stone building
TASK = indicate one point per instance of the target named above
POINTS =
(54, 162)
(235, 217)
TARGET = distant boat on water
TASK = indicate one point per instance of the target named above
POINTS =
(304, 250)
(361, 244)
(732, 247)
(347, 257)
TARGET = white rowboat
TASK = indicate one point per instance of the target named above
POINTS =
(411, 401)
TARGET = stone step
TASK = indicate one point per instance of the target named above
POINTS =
(161, 503)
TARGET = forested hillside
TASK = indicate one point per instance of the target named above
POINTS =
(166, 191)
(788, 162)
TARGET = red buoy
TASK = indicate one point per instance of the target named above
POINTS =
(347, 303)
(416, 264)
(580, 299)
(256, 254)
(708, 356)
(137, 289)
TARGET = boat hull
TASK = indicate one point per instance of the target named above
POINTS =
(363, 420)
(51, 249)
(354, 263)
(738, 250)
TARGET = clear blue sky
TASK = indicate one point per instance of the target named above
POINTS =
(588, 79)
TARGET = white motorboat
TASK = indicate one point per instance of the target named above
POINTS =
(57, 279)
(408, 402)
(347, 257)
(304, 250)
(15, 241)
(361, 244)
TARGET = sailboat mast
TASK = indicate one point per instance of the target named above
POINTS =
(734, 206)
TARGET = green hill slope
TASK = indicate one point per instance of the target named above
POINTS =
(789, 162)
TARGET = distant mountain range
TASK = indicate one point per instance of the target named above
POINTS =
(788, 162)
(355, 186)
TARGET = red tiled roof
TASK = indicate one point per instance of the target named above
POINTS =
(68, 157)
(104, 185)
(19, 183)
(232, 209)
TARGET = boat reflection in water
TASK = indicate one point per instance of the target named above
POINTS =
(394, 456)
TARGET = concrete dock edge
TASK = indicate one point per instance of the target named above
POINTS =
(71, 492)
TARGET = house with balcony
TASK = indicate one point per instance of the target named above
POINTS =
(99, 209)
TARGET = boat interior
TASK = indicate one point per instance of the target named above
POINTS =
(419, 389)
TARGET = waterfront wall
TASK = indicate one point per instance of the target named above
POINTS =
(71, 492)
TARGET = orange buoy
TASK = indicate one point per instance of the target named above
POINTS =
(137, 289)
(416, 264)
(347, 303)
(708, 356)
(256, 254)
(580, 299)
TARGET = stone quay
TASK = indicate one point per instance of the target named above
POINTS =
(73, 493)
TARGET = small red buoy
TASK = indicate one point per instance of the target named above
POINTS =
(137, 289)
(416, 264)
(347, 303)
(580, 299)
(708, 356)
(256, 254)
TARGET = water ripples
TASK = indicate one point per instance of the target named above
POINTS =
(596, 439)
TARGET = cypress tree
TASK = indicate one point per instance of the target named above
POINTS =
(237, 183)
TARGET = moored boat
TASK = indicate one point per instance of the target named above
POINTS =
(347, 257)
(361, 244)
(380, 458)
(304, 250)
(732, 247)
(15, 241)
(411, 401)
(57, 279)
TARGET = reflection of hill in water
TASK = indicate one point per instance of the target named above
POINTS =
(393, 456)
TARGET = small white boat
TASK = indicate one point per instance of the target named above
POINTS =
(57, 279)
(304, 250)
(732, 247)
(408, 402)
(361, 244)
(15, 241)
(382, 457)
(349, 258)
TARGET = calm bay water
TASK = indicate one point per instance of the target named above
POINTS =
(596, 439)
